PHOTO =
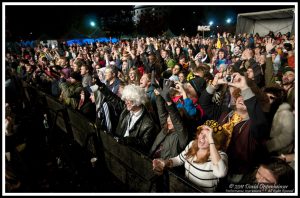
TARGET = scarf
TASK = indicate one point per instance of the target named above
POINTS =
(228, 127)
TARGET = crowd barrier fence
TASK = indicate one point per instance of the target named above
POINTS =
(131, 167)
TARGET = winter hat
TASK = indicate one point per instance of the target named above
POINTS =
(171, 63)
(288, 68)
(198, 84)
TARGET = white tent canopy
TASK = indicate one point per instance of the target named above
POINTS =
(262, 22)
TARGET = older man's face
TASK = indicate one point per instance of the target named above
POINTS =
(129, 105)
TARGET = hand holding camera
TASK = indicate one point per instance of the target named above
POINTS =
(228, 78)
(219, 80)
(239, 81)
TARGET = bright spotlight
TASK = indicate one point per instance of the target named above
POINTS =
(211, 23)
(228, 20)
(92, 23)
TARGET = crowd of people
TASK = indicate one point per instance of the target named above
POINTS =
(222, 107)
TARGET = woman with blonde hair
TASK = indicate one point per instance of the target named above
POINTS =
(133, 76)
(203, 158)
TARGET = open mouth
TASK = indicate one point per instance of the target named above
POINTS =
(202, 141)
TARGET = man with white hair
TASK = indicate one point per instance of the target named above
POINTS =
(135, 127)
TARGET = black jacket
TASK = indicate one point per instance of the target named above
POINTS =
(172, 143)
(142, 134)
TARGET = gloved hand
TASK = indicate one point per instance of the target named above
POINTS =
(166, 90)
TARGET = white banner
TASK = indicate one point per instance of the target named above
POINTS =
(203, 28)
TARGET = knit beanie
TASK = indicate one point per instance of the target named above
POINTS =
(198, 84)
(171, 63)
(287, 68)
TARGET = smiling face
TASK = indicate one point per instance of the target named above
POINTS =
(163, 54)
(221, 54)
(176, 70)
(132, 75)
(236, 50)
(181, 77)
(202, 140)
(288, 78)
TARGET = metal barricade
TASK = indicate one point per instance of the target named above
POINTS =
(131, 167)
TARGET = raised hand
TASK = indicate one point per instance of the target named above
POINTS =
(269, 44)
(239, 81)
(128, 48)
(207, 131)
(166, 90)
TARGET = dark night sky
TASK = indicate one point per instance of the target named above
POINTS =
(56, 20)
(53, 21)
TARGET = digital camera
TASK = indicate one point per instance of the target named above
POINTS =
(228, 78)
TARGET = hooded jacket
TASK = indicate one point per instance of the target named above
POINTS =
(282, 136)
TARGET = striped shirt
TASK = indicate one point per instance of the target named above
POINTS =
(205, 175)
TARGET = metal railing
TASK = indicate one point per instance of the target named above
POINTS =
(131, 167)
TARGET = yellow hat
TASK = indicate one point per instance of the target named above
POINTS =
(219, 135)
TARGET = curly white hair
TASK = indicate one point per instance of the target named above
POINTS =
(135, 94)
